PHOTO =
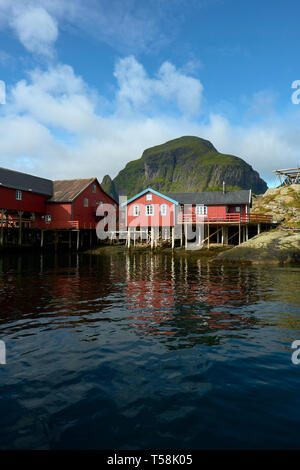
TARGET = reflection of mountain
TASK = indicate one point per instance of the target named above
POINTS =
(188, 303)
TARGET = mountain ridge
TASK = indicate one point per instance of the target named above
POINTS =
(185, 164)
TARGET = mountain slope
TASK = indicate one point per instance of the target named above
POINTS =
(187, 164)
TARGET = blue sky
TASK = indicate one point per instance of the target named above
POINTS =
(91, 84)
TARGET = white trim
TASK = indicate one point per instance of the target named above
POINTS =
(201, 209)
(136, 210)
(19, 195)
(163, 210)
(125, 203)
(152, 209)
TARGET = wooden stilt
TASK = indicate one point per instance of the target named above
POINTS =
(239, 234)
(70, 240)
(258, 229)
(173, 238)
(247, 232)
(129, 237)
(208, 236)
(78, 240)
(20, 213)
(2, 227)
(185, 236)
(152, 237)
(55, 240)
(42, 238)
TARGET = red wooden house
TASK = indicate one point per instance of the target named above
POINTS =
(22, 196)
(74, 204)
(153, 209)
(150, 209)
(42, 203)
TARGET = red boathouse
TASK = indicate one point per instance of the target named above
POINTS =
(32, 202)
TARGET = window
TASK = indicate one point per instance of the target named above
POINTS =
(149, 197)
(150, 209)
(18, 195)
(85, 202)
(201, 210)
(93, 188)
(163, 209)
(136, 210)
(48, 219)
(237, 209)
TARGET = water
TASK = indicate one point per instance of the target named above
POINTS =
(118, 352)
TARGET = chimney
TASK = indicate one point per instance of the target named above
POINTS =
(224, 187)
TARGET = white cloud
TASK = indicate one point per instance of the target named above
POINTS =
(129, 26)
(53, 124)
(136, 89)
(36, 29)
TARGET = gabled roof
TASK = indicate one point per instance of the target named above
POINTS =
(151, 191)
(242, 196)
(24, 182)
(68, 190)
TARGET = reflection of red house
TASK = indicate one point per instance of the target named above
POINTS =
(43, 203)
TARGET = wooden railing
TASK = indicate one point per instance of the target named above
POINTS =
(230, 218)
(56, 224)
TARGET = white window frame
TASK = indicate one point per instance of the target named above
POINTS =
(19, 195)
(136, 210)
(86, 202)
(149, 197)
(201, 209)
(163, 209)
(237, 209)
(152, 209)
(94, 188)
(48, 219)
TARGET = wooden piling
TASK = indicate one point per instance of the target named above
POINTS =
(20, 213)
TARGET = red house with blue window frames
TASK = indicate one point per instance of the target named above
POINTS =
(151, 208)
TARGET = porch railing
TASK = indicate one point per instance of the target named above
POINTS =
(233, 218)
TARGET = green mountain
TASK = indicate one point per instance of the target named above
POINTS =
(187, 164)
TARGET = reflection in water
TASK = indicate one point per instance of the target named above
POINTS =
(187, 303)
(147, 351)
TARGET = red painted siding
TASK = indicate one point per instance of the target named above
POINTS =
(157, 220)
(68, 215)
(31, 202)
(87, 215)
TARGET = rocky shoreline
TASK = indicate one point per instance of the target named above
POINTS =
(274, 247)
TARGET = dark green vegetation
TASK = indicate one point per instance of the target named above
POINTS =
(187, 164)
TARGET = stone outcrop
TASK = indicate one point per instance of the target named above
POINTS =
(282, 203)
(275, 247)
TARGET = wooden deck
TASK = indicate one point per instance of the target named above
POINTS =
(228, 219)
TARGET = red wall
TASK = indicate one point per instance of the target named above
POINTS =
(87, 215)
(63, 213)
(31, 202)
(150, 221)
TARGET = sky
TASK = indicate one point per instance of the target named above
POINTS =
(90, 84)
